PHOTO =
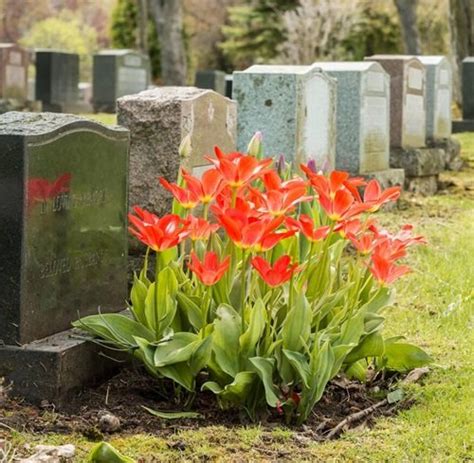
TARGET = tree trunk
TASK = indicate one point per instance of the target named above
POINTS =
(407, 13)
(143, 26)
(168, 15)
(461, 28)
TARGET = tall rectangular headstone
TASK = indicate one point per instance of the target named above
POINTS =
(57, 79)
(293, 106)
(363, 110)
(468, 88)
(13, 72)
(407, 102)
(438, 96)
(63, 237)
(211, 79)
(228, 85)
(117, 73)
(158, 120)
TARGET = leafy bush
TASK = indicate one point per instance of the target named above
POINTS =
(282, 290)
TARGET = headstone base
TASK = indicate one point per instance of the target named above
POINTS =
(104, 108)
(424, 186)
(452, 151)
(418, 162)
(464, 125)
(55, 367)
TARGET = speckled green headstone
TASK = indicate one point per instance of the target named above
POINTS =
(294, 108)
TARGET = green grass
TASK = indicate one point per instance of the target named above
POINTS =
(105, 118)
(434, 309)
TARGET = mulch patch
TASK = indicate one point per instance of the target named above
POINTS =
(124, 395)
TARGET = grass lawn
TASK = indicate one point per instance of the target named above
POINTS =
(434, 309)
(105, 118)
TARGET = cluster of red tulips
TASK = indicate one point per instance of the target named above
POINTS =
(257, 209)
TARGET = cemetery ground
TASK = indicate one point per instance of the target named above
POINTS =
(433, 421)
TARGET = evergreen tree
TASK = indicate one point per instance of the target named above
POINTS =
(124, 32)
(254, 31)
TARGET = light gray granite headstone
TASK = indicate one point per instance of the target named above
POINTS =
(294, 108)
(363, 102)
(158, 120)
(407, 102)
(438, 96)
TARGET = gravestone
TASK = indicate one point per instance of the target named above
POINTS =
(158, 120)
(57, 80)
(63, 242)
(117, 73)
(407, 101)
(13, 72)
(438, 96)
(468, 88)
(294, 107)
(228, 85)
(212, 80)
(363, 107)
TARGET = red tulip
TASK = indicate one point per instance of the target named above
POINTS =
(237, 169)
(157, 233)
(305, 225)
(385, 271)
(364, 243)
(186, 197)
(210, 271)
(341, 205)
(375, 197)
(199, 229)
(280, 273)
(206, 189)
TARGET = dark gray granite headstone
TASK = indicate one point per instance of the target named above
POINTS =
(212, 80)
(468, 88)
(229, 82)
(57, 79)
(63, 237)
(13, 72)
(118, 73)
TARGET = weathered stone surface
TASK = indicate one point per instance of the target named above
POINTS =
(63, 236)
(211, 79)
(452, 150)
(388, 177)
(57, 80)
(438, 96)
(468, 88)
(158, 120)
(407, 99)
(293, 106)
(460, 126)
(363, 99)
(418, 162)
(117, 73)
(13, 72)
(425, 186)
(53, 368)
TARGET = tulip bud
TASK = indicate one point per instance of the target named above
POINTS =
(185, 146)
(312, 166)
(255, 146)
(281, 165)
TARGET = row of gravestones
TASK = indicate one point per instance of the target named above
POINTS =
(65, 183)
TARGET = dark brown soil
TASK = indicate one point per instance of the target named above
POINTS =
(125, 394)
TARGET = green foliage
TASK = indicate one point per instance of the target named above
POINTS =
(124, 32)
(254, 31)
(65, 32)
(376, 31)
(105, 453)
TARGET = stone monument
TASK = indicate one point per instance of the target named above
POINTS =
(13, 72)
(63, 242)
(212, 80)
(295, 109)
(117, 73)
(466, 124)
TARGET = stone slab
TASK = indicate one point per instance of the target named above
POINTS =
(13, 72)
(387, 178)
(212, 80)
(465, 125)
(424, 186)
(452, 150)
(467, 83)
(55, 367)
(418, 162)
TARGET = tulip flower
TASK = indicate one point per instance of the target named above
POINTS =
(376, 197)
(199, 229)
(157, 233)
(385, 271)
(305, 225)
(279, 202)
(341, 205)
(186, 197)
(210, 270)
(364, 243)
(277, 274)
(206, 189)
(237, 169)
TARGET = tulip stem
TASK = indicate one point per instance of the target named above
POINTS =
(206, 211)
(243, 289)
(157, 272)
